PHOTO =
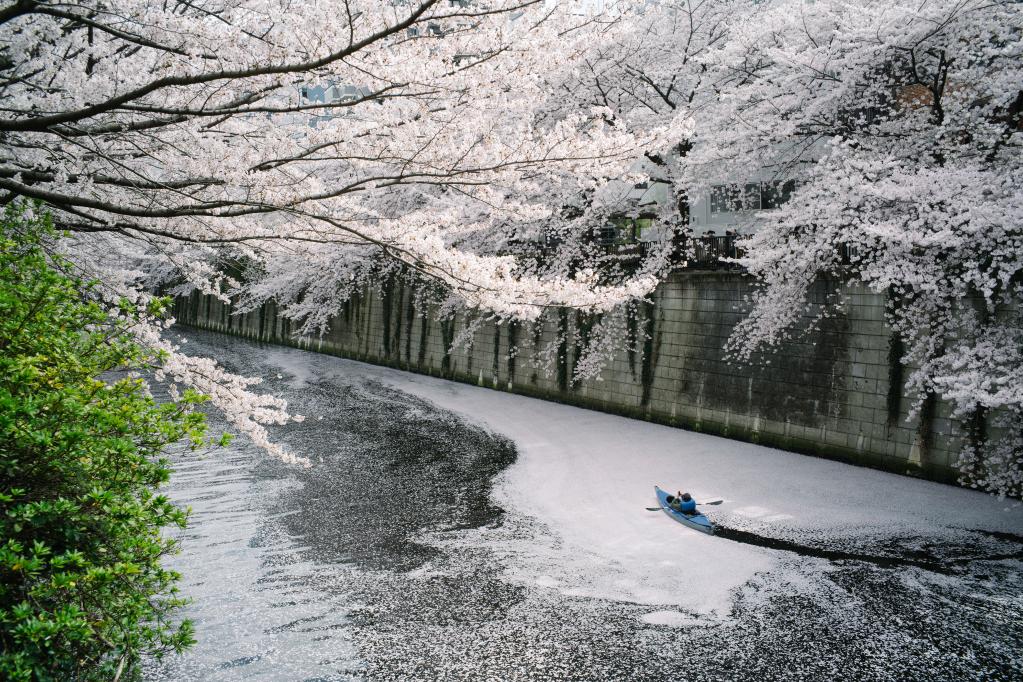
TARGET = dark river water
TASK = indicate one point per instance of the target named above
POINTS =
(363, 567)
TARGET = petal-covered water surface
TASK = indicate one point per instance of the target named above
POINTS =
(421, 545)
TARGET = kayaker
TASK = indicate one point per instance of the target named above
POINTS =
(683, 502)
(687, 505)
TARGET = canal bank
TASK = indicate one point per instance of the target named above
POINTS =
(835, 390)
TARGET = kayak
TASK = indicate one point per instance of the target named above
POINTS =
(696, 521)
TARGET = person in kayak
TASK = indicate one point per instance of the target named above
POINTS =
(683, 502)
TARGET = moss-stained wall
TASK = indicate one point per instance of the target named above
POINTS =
(824, 393)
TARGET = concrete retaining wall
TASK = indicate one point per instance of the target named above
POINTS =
(829, 392)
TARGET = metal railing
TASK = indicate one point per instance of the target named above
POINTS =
(708, 250)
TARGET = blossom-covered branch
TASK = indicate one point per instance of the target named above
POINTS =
(900, 126)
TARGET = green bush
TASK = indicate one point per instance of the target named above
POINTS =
(83, 594)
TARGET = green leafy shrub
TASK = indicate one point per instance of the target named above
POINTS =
(83, 594)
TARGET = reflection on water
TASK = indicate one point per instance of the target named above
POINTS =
(262, 610)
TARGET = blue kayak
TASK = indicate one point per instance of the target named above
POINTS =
(695, 521)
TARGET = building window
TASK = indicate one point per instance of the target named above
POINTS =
(752, 196)
(619, 230)
(608, 235)
(727, 199)
(644, 224)
(776, 193)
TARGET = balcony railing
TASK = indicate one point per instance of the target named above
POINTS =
(708, 250)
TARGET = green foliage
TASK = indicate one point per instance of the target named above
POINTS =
(82, 591)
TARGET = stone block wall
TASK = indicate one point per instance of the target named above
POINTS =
(834, 390)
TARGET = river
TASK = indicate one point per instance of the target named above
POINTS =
(391, 558)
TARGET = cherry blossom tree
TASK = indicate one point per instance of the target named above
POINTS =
(902, 123)
(265, 149)
(642, 74)
(310, 145)
(188, 124)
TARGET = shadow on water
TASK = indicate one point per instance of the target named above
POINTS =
(901, 557)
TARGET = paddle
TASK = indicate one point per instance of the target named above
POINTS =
(699, 504)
